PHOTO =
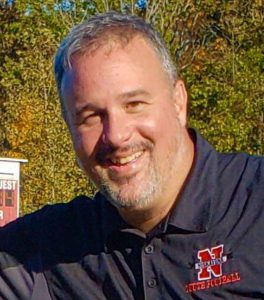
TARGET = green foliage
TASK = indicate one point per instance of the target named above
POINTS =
(217, 45)
(31, 124)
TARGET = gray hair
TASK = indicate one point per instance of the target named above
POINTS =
(84, 37)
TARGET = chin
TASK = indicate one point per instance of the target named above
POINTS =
(129, 198)
(136, 192)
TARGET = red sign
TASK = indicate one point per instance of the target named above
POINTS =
(8, 201)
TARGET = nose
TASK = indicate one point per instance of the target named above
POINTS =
(116, 130)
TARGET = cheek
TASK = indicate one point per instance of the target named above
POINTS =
(164, 132)
(84, 144)
(148, 128)
(159, 125)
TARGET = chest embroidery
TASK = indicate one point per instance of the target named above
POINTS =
(209, 268)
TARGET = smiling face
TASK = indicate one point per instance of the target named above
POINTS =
(127, 122)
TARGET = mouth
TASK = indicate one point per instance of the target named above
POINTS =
(124, 160)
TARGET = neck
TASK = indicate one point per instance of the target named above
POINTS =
(145, 219)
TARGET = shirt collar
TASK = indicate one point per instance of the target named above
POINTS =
(192, 208)
(114, 228)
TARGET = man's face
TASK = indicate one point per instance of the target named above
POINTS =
(127, 121)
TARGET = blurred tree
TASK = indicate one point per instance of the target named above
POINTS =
(31, 125)
(218, 47)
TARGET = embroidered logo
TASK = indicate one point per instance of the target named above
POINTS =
(211, 261)
(210, 270)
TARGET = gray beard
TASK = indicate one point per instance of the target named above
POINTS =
(139, 199)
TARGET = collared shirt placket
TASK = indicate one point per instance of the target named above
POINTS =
(151, 264)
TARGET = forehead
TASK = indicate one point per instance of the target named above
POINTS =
(113, 70)
(110, 42)
(108, 56)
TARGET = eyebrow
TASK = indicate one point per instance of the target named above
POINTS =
(88, 106)
(131, 94)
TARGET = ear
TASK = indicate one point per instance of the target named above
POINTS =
(79, 164)
(180, 101)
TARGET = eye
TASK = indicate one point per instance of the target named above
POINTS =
(89, 119)
(134, 106)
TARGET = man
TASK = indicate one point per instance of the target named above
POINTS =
(173, 219)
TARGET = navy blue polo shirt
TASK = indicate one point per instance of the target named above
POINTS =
(210, 246)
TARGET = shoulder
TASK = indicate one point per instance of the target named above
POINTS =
(241, 168)
(63, 214)
(27, 235)
(239, 196)
(230, 183)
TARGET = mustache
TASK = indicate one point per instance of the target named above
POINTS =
(104, 151)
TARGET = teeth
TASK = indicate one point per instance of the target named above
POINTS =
(127, 159)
